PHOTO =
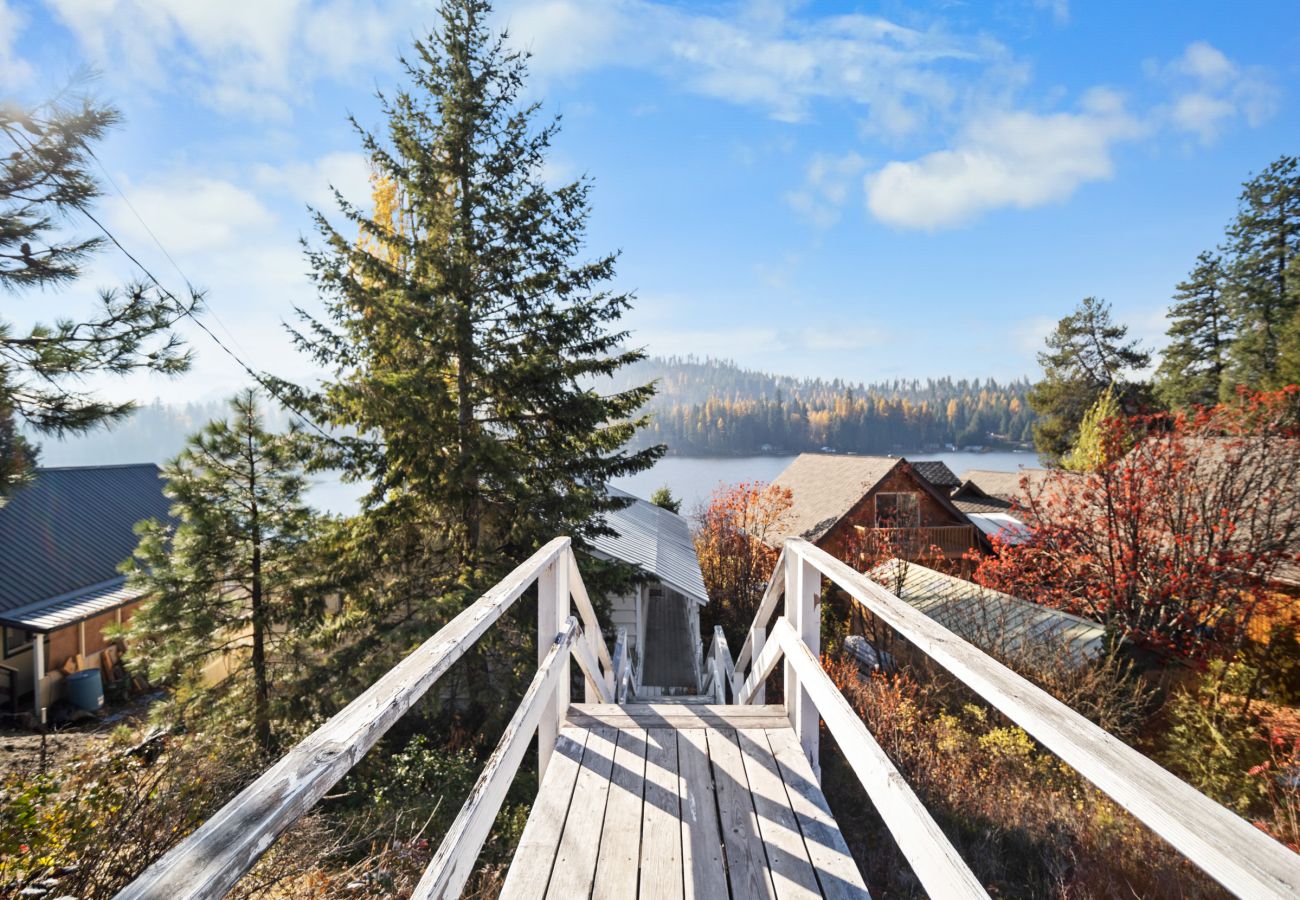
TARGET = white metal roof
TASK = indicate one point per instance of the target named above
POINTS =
(991, 620)
(45, 616)
(656, 541)
(1006, 528)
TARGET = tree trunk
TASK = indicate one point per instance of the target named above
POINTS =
(261, 686)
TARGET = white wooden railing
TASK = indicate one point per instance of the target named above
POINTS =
(209, 862)
(719, 670)
(1230, 850)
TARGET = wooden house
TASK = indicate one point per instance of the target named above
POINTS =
(844, 504)
(63, 536)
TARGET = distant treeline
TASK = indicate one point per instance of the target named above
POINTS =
(713, 406)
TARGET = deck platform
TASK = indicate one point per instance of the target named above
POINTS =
(680, 801)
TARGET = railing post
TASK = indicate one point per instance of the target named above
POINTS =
(803, 611)
(552, 611)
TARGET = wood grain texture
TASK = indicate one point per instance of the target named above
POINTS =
(530, 870)
(619, 860)
(937, 864)
(452, 865)
(837, 873)
(661, 824)
(704, 867)
(746, 858)
(575, 861)
(787, 857)
(676, 715)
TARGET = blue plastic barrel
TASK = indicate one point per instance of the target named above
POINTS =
(86, 689)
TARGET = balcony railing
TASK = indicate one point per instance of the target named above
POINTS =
(949, 541)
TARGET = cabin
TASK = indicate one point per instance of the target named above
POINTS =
(662, 615)
(847, 504)
(63, 536)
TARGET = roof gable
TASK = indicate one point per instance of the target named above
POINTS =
(69, 528)
(824, 488)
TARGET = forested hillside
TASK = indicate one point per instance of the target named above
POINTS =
(714, 406)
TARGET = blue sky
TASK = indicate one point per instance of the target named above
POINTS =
(862, 190)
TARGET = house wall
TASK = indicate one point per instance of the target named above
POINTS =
(932, 513)
(60, 646)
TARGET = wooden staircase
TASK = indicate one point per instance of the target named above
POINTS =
(692, 799)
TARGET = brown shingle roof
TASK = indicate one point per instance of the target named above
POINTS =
(824, 488)
(1007, 485)
(937, 473)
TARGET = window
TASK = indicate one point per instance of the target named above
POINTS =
(16, 641)
(898, 511)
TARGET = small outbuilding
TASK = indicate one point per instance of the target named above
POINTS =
(662, 616)
(63, 536)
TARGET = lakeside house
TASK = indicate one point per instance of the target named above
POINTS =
(63, 536)
(661, 615)
(844, 504)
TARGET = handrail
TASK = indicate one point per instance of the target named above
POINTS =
(766, 607)
(934, 859)
(208, 862)
(722, 671)
(1230, 850)
(453, 864)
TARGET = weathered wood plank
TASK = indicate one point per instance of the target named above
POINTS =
(454, 862)
(746, 858)
(591, 672)
(575, 862)
(619, 662)
(704, 867)
(208, 862)
(766, 607)
(661, 824)
(756, 681)
(837, 873)
(787, 857)
(619, 859)
(1228, 848)
(676, 715)
(941, 870)
(530, 870)
(590, 624)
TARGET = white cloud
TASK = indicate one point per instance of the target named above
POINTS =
(763, 57)
(14, 70)
(189, 213)
(827, 185)
(1060, 9)
(239, 56)
(1019, 159)
(311, 182)
(1212, 91)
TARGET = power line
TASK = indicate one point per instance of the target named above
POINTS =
(145, 225)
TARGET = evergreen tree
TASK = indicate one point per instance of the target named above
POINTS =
(1192, 366)
(44, 180)
(17, 455)
(1086, 353)
(462, 335)
(1264, 290)
(224, 579)
(663, 496)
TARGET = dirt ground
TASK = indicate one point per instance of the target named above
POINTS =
(20, 748)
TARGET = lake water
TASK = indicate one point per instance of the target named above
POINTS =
(693, 479)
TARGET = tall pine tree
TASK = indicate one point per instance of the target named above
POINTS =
(1265, 288)
(1194, 363)
(45, 179)
(464, 334)
(226, 581)
(1086, 353)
